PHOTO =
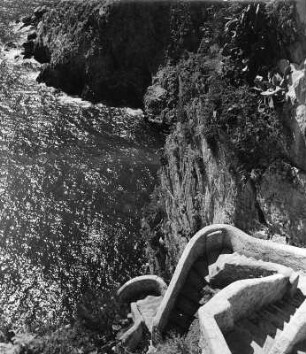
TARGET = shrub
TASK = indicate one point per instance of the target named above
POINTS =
(252, 129)
(178, 345)
(257, 36)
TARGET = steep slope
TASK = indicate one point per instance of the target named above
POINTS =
(237, 151)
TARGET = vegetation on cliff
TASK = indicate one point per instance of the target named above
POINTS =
(110, 50)
(225, 132)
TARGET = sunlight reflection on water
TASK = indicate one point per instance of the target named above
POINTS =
(74, 177)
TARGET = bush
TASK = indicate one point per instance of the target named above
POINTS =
(257, 36)
(252, 129)
(178, 345)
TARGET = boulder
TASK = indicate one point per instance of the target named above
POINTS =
(155, 99)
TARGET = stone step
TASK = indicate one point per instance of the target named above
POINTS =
(213, 256)
(246, 339)
(194, 280)
(268, 314)
(281, 312)
(191, 294)
(258, 334)
(201, 266)
(299, 295)
(180, 319)
(290, 306)
(296, 301)
(272, 333)
(238, 340)
(265, 326)
(186, 306)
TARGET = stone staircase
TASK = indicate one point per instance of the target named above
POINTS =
(238, 294)
(189, 299)
(258, 332)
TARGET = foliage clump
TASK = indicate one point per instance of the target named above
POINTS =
(257, 36)
(252, 129)
(176, 344)
(214, 99)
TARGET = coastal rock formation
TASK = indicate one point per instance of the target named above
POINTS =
(225, 81)
(110, 50)
(214, 171)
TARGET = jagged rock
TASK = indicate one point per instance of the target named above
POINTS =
(119, 52)
(195, 193)
(154, 99)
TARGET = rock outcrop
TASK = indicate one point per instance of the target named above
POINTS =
(212, 172)
(110, 50)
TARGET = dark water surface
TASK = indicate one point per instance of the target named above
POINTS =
(73, 179)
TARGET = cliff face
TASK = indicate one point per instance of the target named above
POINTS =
(234, 156)
(228, 82)
(109, 50)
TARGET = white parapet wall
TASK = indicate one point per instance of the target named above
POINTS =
(219, 237)
(209, 243)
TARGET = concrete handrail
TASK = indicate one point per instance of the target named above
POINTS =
(212, 340)
(219, 237)
(132, 291)
(240, 242)
(144, 284)
(233, 303)
(195, 247)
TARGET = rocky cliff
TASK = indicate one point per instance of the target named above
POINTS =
(109, 50)
(226, 80)
(237, 151)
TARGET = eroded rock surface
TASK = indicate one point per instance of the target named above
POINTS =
(110, 50)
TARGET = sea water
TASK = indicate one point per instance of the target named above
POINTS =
(74, 177)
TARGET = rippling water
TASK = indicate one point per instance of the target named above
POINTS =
(73, 179)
